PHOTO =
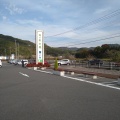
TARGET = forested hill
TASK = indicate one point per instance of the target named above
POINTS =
(7, 46)
(9, 39)
(27, 49)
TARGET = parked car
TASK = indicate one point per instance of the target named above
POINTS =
(15, 62)
(95, 62)
(11, 61)
(64, 62)
(25, 61)
(33, 61)
(0, 63)
(18, 62)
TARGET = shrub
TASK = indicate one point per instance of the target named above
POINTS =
(56, 64)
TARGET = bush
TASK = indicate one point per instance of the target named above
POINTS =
(56, 64)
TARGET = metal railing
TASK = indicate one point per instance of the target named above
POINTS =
(81, 63)
(105, 65)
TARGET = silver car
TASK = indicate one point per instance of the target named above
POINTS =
(64, 62)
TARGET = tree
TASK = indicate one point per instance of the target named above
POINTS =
(82, 54)
(98, 52)
(114, 55)
(105, 47)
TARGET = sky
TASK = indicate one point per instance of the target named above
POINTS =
(66, 23)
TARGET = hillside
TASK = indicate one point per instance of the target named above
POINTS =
(7, 46)
(26, 49)
(67, 48)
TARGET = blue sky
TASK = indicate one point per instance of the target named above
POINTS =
(97, 21)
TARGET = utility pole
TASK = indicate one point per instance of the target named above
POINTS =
(5, 52)
(18, 50)
(10, 52)
(15, 50)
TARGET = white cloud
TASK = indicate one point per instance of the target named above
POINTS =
(102, 11)
(54, 17)
(13, 9)
(4, 17)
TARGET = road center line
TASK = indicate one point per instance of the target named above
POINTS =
(24, 74)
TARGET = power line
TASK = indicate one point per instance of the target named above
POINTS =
(96, 40)
(71, 43)
(112, 14)
(96, 29)
(109, 24)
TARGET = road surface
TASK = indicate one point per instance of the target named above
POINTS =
(30, 95)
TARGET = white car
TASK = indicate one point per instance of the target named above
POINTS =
(12, 61)
(25, 61)
(18, 62)
(0, 63)
(64, 62)
(15, 61)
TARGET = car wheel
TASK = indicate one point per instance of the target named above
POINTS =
(0, 65)
(59, 64)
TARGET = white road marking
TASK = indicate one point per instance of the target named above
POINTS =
(93, 82)
(100, 84)
(44, 71)
(24, 74)
(109, 82)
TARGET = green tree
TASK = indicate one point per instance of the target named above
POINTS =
(82, 54)
(114, 55)
(98, 52)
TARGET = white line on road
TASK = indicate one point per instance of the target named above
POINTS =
(44, 71)
(24, 74)
(100, 84)
(92, 82)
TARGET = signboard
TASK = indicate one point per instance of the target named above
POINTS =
(39, 46)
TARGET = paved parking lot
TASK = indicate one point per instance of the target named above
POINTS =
(39, 95)
(107, 82)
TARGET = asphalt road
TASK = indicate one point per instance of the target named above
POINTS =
(31, 95)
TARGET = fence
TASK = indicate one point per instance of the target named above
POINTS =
(81, 63)
(105, 65)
